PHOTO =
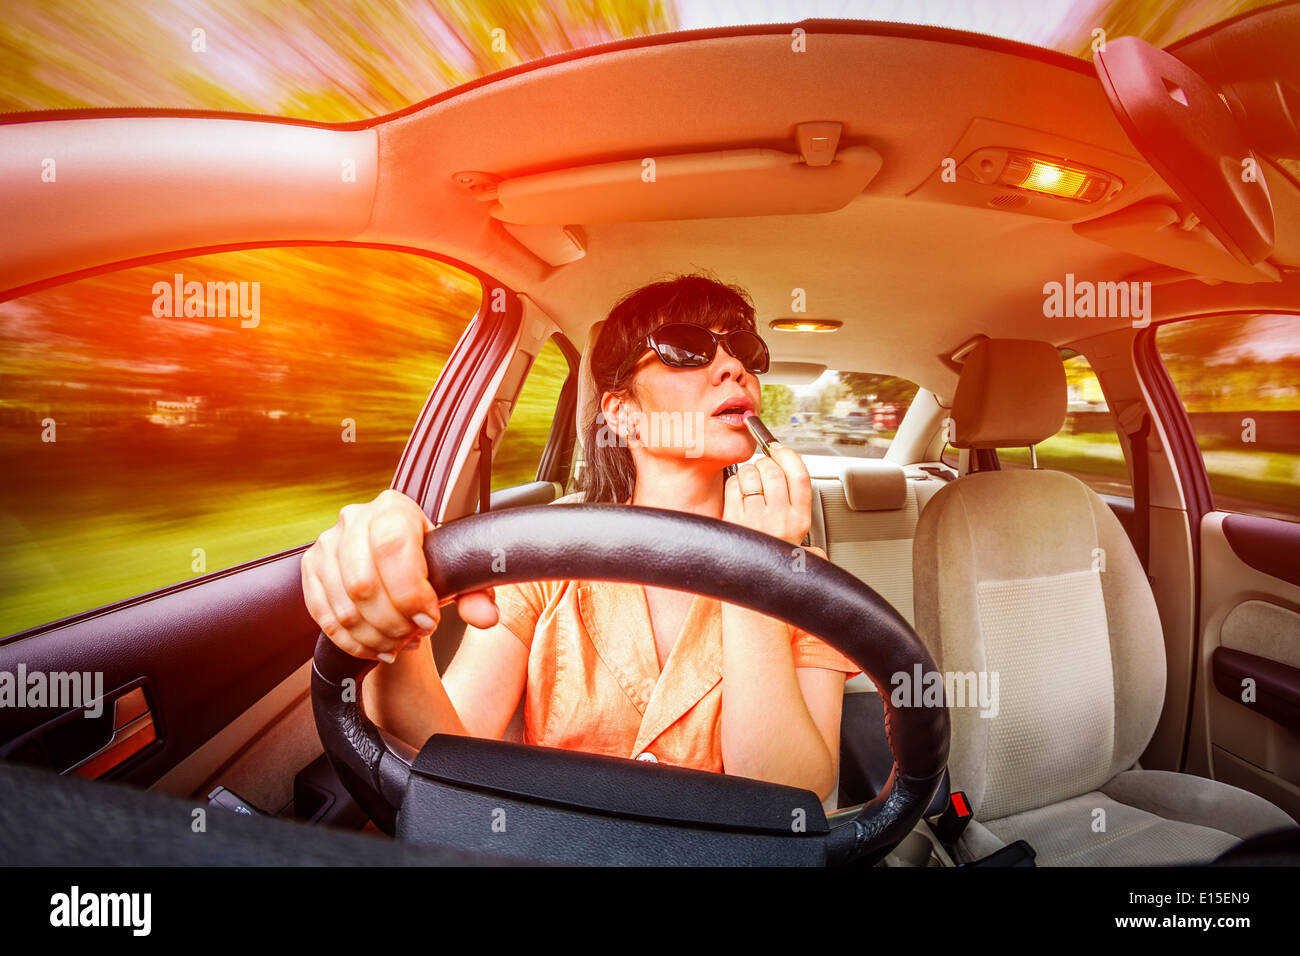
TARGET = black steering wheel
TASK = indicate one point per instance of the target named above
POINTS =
(669, 549)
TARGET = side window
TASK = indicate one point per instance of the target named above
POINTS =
(520, 452)
(1239, 380)
(175, 419)
(1087, 446)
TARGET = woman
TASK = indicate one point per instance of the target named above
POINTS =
(607, 667)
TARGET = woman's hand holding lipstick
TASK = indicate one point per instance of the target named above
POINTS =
(772, 495)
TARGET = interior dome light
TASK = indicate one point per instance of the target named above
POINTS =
(1040, 174)
(805, 325)
(1055, 179)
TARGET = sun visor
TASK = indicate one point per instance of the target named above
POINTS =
(1254, 61)
(1156, 232)
(793, 373)
(554, 244)
(1188, 135)
(722, 184)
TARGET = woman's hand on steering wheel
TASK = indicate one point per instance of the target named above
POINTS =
(366, 581)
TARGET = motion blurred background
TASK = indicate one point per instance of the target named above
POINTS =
(183, 446)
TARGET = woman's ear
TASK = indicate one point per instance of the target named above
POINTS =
(611, 418)
(620, 415)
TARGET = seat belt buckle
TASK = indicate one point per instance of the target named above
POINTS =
(952, 822)
(1019, 853)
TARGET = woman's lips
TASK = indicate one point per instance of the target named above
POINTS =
(736, 420)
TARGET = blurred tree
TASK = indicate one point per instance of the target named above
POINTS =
(830, 396)
(885, 388)
(778, 403)
(336, 62)
(1159, 22)
(1214, 367)
(810, 402)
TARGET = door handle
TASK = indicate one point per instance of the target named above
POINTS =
(133, 730)
(76, 744)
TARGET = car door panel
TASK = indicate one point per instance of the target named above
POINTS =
(1265, 544)
(209, 649)
(258, 754)
(1248, 675)
(1274, 686)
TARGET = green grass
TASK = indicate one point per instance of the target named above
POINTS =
(55, 565)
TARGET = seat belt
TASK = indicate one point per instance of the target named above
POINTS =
(943, 474)
(1141, 493)
(975, 460)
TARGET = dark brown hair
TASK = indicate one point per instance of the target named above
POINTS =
(699, 299)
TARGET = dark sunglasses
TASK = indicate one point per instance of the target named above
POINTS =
(682, 345)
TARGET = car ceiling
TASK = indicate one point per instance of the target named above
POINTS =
(910, 278)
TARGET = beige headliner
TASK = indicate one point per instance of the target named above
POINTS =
(910, 278)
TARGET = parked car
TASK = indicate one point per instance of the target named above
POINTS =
(855, 428)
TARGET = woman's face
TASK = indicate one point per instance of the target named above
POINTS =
(675, 410)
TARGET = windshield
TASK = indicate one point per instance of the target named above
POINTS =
(355, 59)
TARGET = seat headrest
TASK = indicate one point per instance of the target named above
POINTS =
(872, 484)
(587, 398)
(1011, 393)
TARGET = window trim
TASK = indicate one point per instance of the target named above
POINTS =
(557, 453)
(553, 446)
(1126, 450)
(455, 403)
